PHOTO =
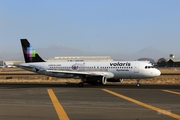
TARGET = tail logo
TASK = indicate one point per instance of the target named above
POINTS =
(30, 52)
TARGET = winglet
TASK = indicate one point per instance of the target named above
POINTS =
(30, 55)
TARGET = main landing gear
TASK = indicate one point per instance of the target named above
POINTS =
(81, 84)
(138, 83)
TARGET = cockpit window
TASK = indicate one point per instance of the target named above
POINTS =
(148, 67)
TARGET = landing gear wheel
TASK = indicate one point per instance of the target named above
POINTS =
(138, 83)
(81, 84)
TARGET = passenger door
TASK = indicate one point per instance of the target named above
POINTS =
(136, 68)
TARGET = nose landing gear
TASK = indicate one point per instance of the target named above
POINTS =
(138, 83)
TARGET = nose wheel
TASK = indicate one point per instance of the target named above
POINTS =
(138, 83)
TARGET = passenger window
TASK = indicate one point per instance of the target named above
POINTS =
(145, 67)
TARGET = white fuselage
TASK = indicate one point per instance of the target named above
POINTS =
(115, 69)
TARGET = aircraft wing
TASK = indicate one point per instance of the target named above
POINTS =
(88, 73)
(68, 72)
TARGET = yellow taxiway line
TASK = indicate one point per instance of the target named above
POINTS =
(169, 91)
(144, 104)
(58, 107)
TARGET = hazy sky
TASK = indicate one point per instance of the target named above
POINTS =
(104, 26)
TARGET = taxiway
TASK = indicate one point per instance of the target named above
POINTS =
(109, 102)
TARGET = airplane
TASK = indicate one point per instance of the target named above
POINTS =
(9, 65)
(89, 72)
(2, 64)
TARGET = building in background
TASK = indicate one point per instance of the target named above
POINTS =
(81, 59)
(172, 61)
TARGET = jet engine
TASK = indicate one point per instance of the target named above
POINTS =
(96, 80)
(104, 80)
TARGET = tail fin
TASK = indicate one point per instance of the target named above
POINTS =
(30, 55)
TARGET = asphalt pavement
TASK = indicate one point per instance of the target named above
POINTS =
(109, 102)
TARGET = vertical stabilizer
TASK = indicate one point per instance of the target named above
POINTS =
(30, 55)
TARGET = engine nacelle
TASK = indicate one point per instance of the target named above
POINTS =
(96, 80)
(104, 80)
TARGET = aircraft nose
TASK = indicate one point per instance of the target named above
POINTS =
(158, 72)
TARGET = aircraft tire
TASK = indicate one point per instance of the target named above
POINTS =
(81, 84)
(138, 85)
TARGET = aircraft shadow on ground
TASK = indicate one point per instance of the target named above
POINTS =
(75, 85)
